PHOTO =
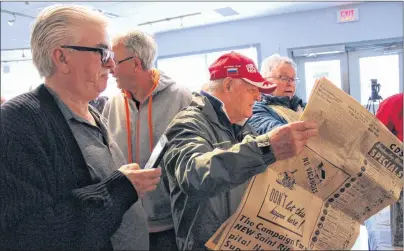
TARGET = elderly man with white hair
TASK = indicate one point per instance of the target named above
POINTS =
(139, 115)
(212, 153)
(64, 184)
(282, 72)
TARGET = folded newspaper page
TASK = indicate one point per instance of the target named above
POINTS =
(318, 199)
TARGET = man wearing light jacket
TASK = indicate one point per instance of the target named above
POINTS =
(213, 153)
(139, 115)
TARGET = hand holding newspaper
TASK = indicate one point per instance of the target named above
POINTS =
(318, 199)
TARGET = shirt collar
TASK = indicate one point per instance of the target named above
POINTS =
(66, 111)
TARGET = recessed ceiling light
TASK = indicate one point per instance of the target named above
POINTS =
(227, 11)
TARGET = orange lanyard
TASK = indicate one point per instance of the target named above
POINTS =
(127, 94)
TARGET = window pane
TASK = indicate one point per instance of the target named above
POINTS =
(189, 71)
(192, 71)
(383, 68)
(330, 69)
(21, 77)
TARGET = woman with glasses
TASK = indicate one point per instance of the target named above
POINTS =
(267, 114)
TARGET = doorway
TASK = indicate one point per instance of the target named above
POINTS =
(352, 68)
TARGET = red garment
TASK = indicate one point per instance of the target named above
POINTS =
(235, 65)
(390, 113)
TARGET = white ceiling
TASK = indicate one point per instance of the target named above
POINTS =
(127, 15)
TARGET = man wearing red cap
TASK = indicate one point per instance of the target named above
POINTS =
(213, 152)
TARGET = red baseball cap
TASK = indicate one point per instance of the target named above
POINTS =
(235, 65)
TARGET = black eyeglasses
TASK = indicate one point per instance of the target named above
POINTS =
(123, 60)
(106, 54)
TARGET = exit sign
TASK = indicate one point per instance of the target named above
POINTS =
(348, 15)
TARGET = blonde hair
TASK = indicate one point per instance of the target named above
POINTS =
(140, 44)
(57, 25)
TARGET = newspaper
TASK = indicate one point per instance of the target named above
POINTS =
(318, 199)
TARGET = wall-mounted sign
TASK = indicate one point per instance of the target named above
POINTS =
(348, 15)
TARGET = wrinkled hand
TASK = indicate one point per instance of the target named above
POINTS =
(289, 140)
(144, 180)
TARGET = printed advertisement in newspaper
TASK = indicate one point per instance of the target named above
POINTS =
(318, 199)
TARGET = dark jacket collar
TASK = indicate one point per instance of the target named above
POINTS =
(213, 109)
(292, 103)
(217, 106)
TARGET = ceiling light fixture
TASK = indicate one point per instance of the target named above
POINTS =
(107, 14)
(226, 12)
(11, 21)
(16, 14)
(170, 18)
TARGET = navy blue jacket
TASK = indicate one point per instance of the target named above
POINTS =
(264, 118)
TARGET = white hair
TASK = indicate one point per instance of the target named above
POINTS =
(141, 45)
(213, 85)
(57, 25)
(274, 62)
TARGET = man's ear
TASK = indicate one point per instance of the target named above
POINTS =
(137, 64)
(60, 60)
(228, 84)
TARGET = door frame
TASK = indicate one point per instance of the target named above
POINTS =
(347, 64)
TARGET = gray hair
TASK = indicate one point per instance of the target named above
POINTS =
(273, 62)
(212, 85)
(53, 27)
(141, 45)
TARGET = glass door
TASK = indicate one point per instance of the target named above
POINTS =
(380, 66)
(333, 67)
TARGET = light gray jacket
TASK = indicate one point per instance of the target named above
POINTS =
(168, 100)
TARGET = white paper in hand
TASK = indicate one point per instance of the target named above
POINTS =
(158, 153)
